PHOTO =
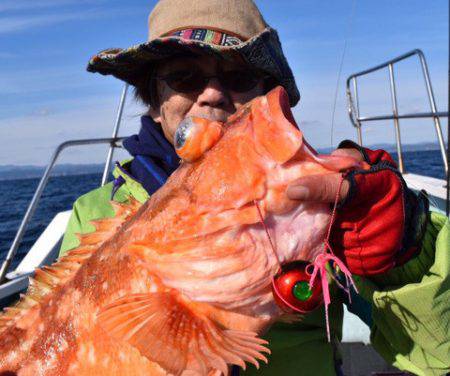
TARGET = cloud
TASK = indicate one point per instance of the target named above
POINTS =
(43, 111)
(26, 22)
(48, 81)
(7, 55)
(310, 123)
(40, 80)
(32, 139)
(27, 5)
(313, 114)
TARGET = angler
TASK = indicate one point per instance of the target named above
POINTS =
(206, 58)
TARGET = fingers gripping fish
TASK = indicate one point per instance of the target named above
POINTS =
(182, 284)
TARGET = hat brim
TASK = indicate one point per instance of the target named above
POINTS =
(262, 52)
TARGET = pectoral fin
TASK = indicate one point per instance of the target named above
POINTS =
(178, 334)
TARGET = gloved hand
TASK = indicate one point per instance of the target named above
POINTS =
(379, 222)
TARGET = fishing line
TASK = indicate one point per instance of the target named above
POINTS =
(268, 235)
(349, 26)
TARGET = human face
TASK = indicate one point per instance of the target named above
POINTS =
(214, 102)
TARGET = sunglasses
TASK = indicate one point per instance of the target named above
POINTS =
(191, 81)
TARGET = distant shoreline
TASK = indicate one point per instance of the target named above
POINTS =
(15, 172)
(392, 148)
(12, 172)
(38, 176)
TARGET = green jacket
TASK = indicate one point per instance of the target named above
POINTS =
(410, 304)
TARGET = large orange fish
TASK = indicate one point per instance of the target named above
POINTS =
(181, 285)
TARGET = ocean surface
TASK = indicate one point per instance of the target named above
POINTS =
(61, 192)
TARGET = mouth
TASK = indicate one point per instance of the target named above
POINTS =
(214, 115)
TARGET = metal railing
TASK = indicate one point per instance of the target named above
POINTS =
(114, 134)
(114, 142)
(357, 120)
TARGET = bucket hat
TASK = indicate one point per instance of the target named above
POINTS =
(223, 28)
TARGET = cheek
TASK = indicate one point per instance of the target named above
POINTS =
(169, 121)
(241, 98)
(173, 109)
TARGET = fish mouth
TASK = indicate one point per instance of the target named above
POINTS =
(279, 106)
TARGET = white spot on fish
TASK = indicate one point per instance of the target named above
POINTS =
(153, 288)
(71, 299)
(63, 344)
(91, 355)
(11, 357)
(36, 367)
(104, 285)
(105, 362)
(82, 349)
(72, 368)
(25, 346)
(139, 285)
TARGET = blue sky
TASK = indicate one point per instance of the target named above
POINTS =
(47, 97)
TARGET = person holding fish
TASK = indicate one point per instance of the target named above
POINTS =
(207, 59)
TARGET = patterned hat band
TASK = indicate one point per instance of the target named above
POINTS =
(216, 37)
(262, 52)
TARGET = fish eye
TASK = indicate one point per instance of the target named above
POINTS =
(182, 132)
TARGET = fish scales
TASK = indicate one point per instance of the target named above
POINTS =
(181, 284)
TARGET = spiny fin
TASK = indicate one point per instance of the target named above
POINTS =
(169, 330)
(48, 277)
(106, 227)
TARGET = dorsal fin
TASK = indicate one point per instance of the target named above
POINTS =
(106, 227)
(48, 277)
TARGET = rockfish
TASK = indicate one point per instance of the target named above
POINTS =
(181, 284)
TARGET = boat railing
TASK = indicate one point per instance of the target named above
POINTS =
(114, 142)
(357, 120)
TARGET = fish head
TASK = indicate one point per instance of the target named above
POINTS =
(220, 227)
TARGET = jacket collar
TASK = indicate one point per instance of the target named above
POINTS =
(155, 158)
(151, 142)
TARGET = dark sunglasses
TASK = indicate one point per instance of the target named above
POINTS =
(191, 81)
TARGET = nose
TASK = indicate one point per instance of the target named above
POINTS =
(214, 95)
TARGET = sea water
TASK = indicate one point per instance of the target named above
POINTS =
(62, 191)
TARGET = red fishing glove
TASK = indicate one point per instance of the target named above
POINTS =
(381, 222)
